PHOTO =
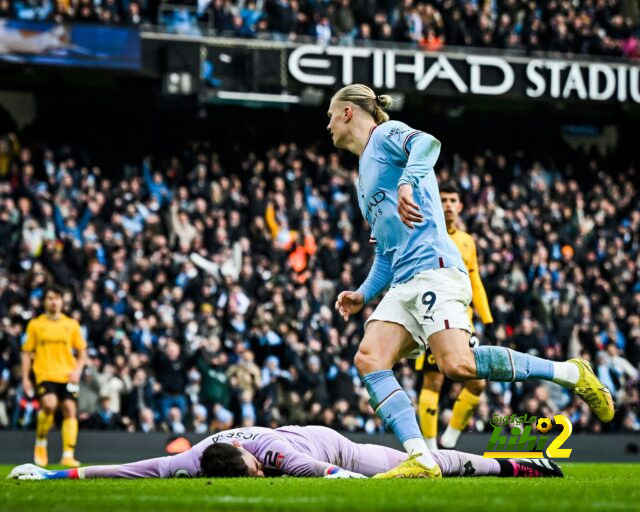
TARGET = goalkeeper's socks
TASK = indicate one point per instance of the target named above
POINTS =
(502, 364)
(393, 407)
(455, 463)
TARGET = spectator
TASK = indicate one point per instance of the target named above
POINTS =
(172, 379)
(173, 422)
(104, 418)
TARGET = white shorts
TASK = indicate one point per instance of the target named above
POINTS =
(431, 301)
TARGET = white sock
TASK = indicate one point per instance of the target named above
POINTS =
(41, 442)
(432, 443)
(417, 445)
(565, 374)
(67, 454)
(450, 437)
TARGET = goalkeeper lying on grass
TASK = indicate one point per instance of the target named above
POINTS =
(294, 451)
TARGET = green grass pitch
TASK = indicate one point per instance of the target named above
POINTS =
(585, 487)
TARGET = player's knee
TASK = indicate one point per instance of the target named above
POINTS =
(476, 386)
(459, 369)
(49, 404)
(363, 361)
(69, 409)
(433, 381)
(367, 361)
(48, 409)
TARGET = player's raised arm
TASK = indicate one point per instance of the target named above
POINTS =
(422, 151)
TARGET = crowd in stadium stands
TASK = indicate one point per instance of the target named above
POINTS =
(599, 27)
(206, 291)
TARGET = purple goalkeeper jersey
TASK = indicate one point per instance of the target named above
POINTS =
(292, 450)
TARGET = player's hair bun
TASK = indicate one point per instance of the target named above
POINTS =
(384, 101)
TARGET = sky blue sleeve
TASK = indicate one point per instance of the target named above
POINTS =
(378, 279)
(423, 151)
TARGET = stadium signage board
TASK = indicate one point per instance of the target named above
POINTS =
(465, 74)
(77, 45)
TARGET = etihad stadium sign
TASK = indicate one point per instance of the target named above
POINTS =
(465, 74)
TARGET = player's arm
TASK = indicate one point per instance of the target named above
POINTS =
(380, 275)
(279, 455)
(26, 358)
(479, 295)
(78, 343)
(185, 464)
(150, 468)
(422, 151)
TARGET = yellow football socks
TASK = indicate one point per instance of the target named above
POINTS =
(463, 409)
(44, 423)
(428, 412)
(69, 436)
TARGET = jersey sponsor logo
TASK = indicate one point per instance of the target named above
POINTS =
(59, 341)
(373, 212)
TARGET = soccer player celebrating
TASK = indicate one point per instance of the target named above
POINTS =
(427, 304)
(469, 397)
(50, 341)
(295, 451)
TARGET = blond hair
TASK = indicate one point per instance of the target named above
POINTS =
(367, 100)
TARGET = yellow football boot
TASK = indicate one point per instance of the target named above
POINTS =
(40, 456)
(592, 391)
(411, 468)
(70, 462)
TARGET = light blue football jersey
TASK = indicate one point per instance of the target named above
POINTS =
(382, 164)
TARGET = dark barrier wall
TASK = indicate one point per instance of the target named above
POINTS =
(109, 447)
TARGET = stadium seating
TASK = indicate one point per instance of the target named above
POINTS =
(583, 27)
(206, 288)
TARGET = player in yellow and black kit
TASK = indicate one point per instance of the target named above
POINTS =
(50, 342)
(469, 397)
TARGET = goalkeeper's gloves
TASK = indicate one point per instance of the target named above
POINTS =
(337, 472)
